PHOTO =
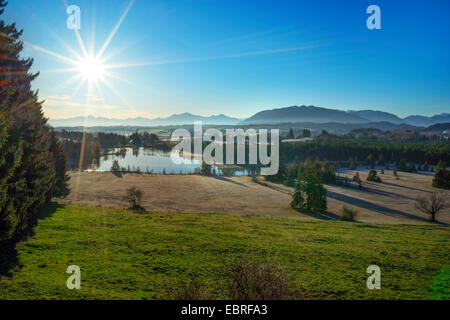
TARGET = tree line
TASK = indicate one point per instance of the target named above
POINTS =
(343, 148)
(84, 149)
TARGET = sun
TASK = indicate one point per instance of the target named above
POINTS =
(90, 68)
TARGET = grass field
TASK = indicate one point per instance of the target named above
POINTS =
(389, 202)
(126, 255)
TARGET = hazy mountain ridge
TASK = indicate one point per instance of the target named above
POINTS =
(176, 119)
(314, 114)
(304, 114)
(293, 114)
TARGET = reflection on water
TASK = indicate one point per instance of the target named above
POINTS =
(148, 160)
(153, 160)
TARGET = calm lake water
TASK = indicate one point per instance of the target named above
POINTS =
(146, 159)
(151, 160)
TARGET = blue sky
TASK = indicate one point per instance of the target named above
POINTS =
(240, 57)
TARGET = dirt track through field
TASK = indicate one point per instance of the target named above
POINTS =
(389, 202)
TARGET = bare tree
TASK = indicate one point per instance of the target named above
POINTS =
(432, 204)
(134, 197)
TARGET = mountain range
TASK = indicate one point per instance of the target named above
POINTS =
(293, 114)
(176, 119)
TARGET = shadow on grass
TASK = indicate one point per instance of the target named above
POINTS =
(228, 180)
(406, 187)
(8, 251)
(275, 186)
(327, 216)
(377, 208)
(368, 189)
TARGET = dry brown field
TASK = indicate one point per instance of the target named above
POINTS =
(391, 201)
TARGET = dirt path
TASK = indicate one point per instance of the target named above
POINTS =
(389, 202)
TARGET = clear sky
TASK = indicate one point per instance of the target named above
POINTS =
(238, 57)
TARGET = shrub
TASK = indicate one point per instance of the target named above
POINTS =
(348, 214)
(396, 175)
(134, 197)
(357, 179)
(192, 290)
(206, 170)
(372, 176)
(249, 279)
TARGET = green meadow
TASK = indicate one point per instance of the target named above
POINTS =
(127, 255)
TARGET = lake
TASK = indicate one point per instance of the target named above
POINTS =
(153, 160)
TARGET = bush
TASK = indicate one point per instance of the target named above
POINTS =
(396, 175)
(206, 170)
(348, 214)
(373, 176)
(192, 290)
(357, 179)
(134, 197)
(249, 279)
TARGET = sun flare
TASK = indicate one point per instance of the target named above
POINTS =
(90, 68)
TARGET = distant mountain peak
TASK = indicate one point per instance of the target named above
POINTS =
(291, 114)
(175, 119)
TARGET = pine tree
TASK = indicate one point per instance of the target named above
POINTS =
(381, 160)
(32, 163)
(306, 133)
(441, 177)
(371, 161)
(291, 134)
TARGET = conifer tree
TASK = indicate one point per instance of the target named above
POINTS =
(32, 163)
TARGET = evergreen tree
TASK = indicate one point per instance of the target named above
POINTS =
(115, 168)
(441, 177)
(306, 133)
(32, 162)
(310, 194)
(381, 161)
(371, 161)
(351, 164)
(402, 165)
(291, 134)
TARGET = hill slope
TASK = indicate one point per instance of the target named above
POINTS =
(377, 116)
(125, 255)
